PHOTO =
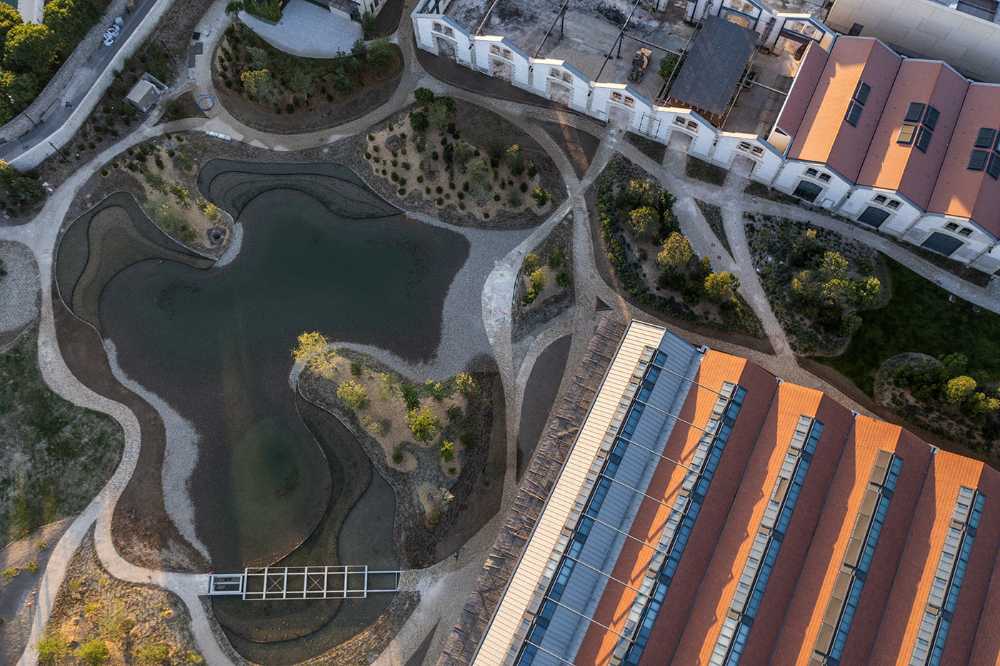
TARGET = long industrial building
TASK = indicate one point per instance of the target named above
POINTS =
(708, 512)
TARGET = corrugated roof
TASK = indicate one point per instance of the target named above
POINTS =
(714, 65)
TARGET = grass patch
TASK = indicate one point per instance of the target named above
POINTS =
(705, 171)
(921, 317)
(64, 453)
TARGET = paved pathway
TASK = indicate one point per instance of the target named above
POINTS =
(308, 30)
(445, 585)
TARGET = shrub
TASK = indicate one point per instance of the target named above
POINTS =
(419, 122)
(466, 384)
(531, 262)
(380, 54)
(721, 287)
(958, 389)
(353, 394)
(423, 424)
(642, 218)
(540, 195)
(152, 653)
(447, 450)
(536, 282)
(454, 413)
(93, 653)
(424, 96)
(563, 279)
(675, 253)
(52, 649)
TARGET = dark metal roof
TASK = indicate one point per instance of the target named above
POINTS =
(712, 68)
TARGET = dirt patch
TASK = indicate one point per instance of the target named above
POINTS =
(95, 613)
(654, 150)
(705, 171)
(56, 455)
(713, 215)
(299, 94)
(579, 146)
(439, 166)
(183, 106)
(545, 284)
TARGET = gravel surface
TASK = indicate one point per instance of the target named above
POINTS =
(19, 291)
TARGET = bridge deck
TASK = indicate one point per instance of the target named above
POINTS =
(313, 582)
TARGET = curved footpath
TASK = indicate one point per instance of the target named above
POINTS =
(444, 585)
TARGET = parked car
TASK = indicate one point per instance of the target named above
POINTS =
(112, 32)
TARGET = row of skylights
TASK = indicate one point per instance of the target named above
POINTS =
(986, 153)
(763, 555)
(851, 578)
(947, 583)
(683, 513)
(918, 126)
(625, 431)
(858, 101)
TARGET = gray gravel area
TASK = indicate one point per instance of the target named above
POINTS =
(19, 288)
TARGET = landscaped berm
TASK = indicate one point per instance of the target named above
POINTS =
(274, 91)
(655, 263)
(426, 155)
(424, 432)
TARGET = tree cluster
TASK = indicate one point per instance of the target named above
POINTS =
(18, 191)
(31, 52)
(825, 289)
(949, 383)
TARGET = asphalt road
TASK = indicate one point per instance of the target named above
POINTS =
(87, 74)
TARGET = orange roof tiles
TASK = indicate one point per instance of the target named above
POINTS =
(813, 549)
(717, 587)
(894, 166)
(823, 134)
(803, 87)
(960, 192)
(928, 529)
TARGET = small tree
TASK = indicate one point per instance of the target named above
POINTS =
(9, 17)
(834, 266)
(958, 389)
(540, 195)
(418, 121)
(17, 190)
(675, 253)
(312, 349)
(94, 653)
(447, 450)
(424, 96)
(667, 66)
(423, 424)
(866, 292)
(380, 54)
(439, 114)
(721, 287)
(478, 172)
(29, 47)
(465, 383)
(258, 84)
(353, 394)
(536, 282)
(642, 218)
(980, 403)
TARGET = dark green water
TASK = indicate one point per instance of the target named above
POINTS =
(215, 345)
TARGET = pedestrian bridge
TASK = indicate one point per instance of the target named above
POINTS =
(313, 582)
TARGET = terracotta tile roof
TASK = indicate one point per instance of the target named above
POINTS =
(960, 192)
(932, 517)
(824, 136)
(803, 87)
(816, 542)
(895, 166)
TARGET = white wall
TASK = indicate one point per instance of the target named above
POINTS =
(542, 68)
(833, 191)
(973, 246)
(900, 219)
(730, 145)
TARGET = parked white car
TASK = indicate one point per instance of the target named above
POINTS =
(112, 32)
